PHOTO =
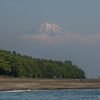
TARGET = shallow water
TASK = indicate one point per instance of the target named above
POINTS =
(70, 94)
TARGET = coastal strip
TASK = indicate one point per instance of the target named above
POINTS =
(47, 84)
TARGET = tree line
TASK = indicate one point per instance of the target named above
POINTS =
(17, 65)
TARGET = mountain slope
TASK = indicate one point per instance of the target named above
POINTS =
(49, 29)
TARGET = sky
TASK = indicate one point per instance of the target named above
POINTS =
(80, 18)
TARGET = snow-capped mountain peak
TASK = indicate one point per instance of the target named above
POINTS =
(49, 29)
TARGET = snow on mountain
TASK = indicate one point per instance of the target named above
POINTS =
(49, 29)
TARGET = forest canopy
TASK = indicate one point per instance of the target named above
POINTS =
(17, 65)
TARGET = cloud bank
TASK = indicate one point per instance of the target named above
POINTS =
(88, 39)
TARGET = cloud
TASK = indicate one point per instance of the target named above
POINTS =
(88, 39)
(44, 38)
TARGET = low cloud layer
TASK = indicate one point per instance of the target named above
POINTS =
(88, 39)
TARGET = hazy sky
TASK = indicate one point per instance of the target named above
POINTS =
(80, 18)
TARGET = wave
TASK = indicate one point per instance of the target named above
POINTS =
(16, 90)
(51, 90)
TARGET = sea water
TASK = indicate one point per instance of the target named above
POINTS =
(69, 94)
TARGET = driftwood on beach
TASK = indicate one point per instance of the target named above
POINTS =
(43, 84)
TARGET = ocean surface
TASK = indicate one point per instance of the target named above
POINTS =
(70, 94)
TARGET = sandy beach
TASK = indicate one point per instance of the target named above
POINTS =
(47, 84)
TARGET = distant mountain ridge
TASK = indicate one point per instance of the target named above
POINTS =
(49, 29)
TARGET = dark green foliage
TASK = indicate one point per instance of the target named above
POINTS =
(18, 65)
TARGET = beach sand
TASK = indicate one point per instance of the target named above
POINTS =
(47, 84)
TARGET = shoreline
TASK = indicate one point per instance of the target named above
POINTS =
(45, 90)
(47, 84)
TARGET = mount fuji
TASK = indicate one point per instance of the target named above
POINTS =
(49, 29)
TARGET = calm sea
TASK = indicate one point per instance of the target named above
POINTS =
(70, 94)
